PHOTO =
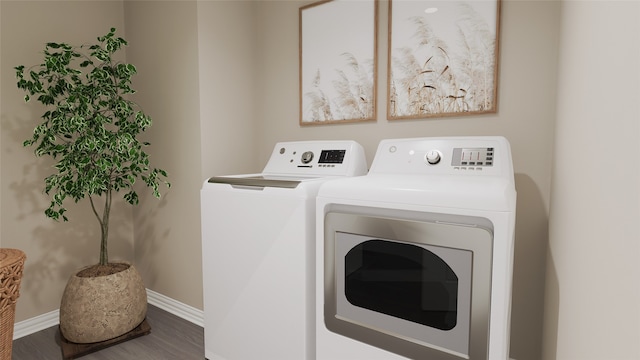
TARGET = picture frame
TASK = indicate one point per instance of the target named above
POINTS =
(338, 61)
(442, 58)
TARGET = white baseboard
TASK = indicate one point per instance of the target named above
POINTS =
(181, 310)
(35, 324)
(44, 321)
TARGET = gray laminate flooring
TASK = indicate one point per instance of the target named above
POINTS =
(171, 338)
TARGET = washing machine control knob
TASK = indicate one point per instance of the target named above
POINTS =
(307, 156)
(433, 157)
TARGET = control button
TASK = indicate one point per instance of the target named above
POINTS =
(307, 156)
(433, 157)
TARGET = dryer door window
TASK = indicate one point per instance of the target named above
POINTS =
(417, 286)
(417, 291)
(404, 281)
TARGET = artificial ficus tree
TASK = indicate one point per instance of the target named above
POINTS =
(90, 128)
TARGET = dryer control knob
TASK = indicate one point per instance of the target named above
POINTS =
(433, 157)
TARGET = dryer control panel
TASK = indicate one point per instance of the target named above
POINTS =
(473, 155)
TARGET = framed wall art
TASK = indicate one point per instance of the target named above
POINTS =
(338, 61)
(443, 58)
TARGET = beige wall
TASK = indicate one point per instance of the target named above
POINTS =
(593, 272)
(54, 250)
(163, 42)
(229, 73)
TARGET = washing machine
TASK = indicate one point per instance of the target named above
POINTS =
(258, 244)
(414, 260)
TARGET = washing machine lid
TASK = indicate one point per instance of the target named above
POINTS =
(261, 180)
(292, 163)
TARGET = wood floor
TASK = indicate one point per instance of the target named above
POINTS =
(171, 338)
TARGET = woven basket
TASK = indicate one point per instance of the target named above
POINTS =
(11, 265)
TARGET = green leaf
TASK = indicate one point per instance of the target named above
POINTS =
(89, 127)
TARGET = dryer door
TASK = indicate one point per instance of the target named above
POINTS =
(419, 288)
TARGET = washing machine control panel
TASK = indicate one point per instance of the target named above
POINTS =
(332, 156)
(327, 157)
(317, 158)
(478, 155)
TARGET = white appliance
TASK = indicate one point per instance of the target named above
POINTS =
(258, 243)
(415, 259)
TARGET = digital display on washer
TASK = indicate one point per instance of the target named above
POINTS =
(472, 157)
(331, 156)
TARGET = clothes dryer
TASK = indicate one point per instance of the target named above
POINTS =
(258, 244)
(414, 260)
